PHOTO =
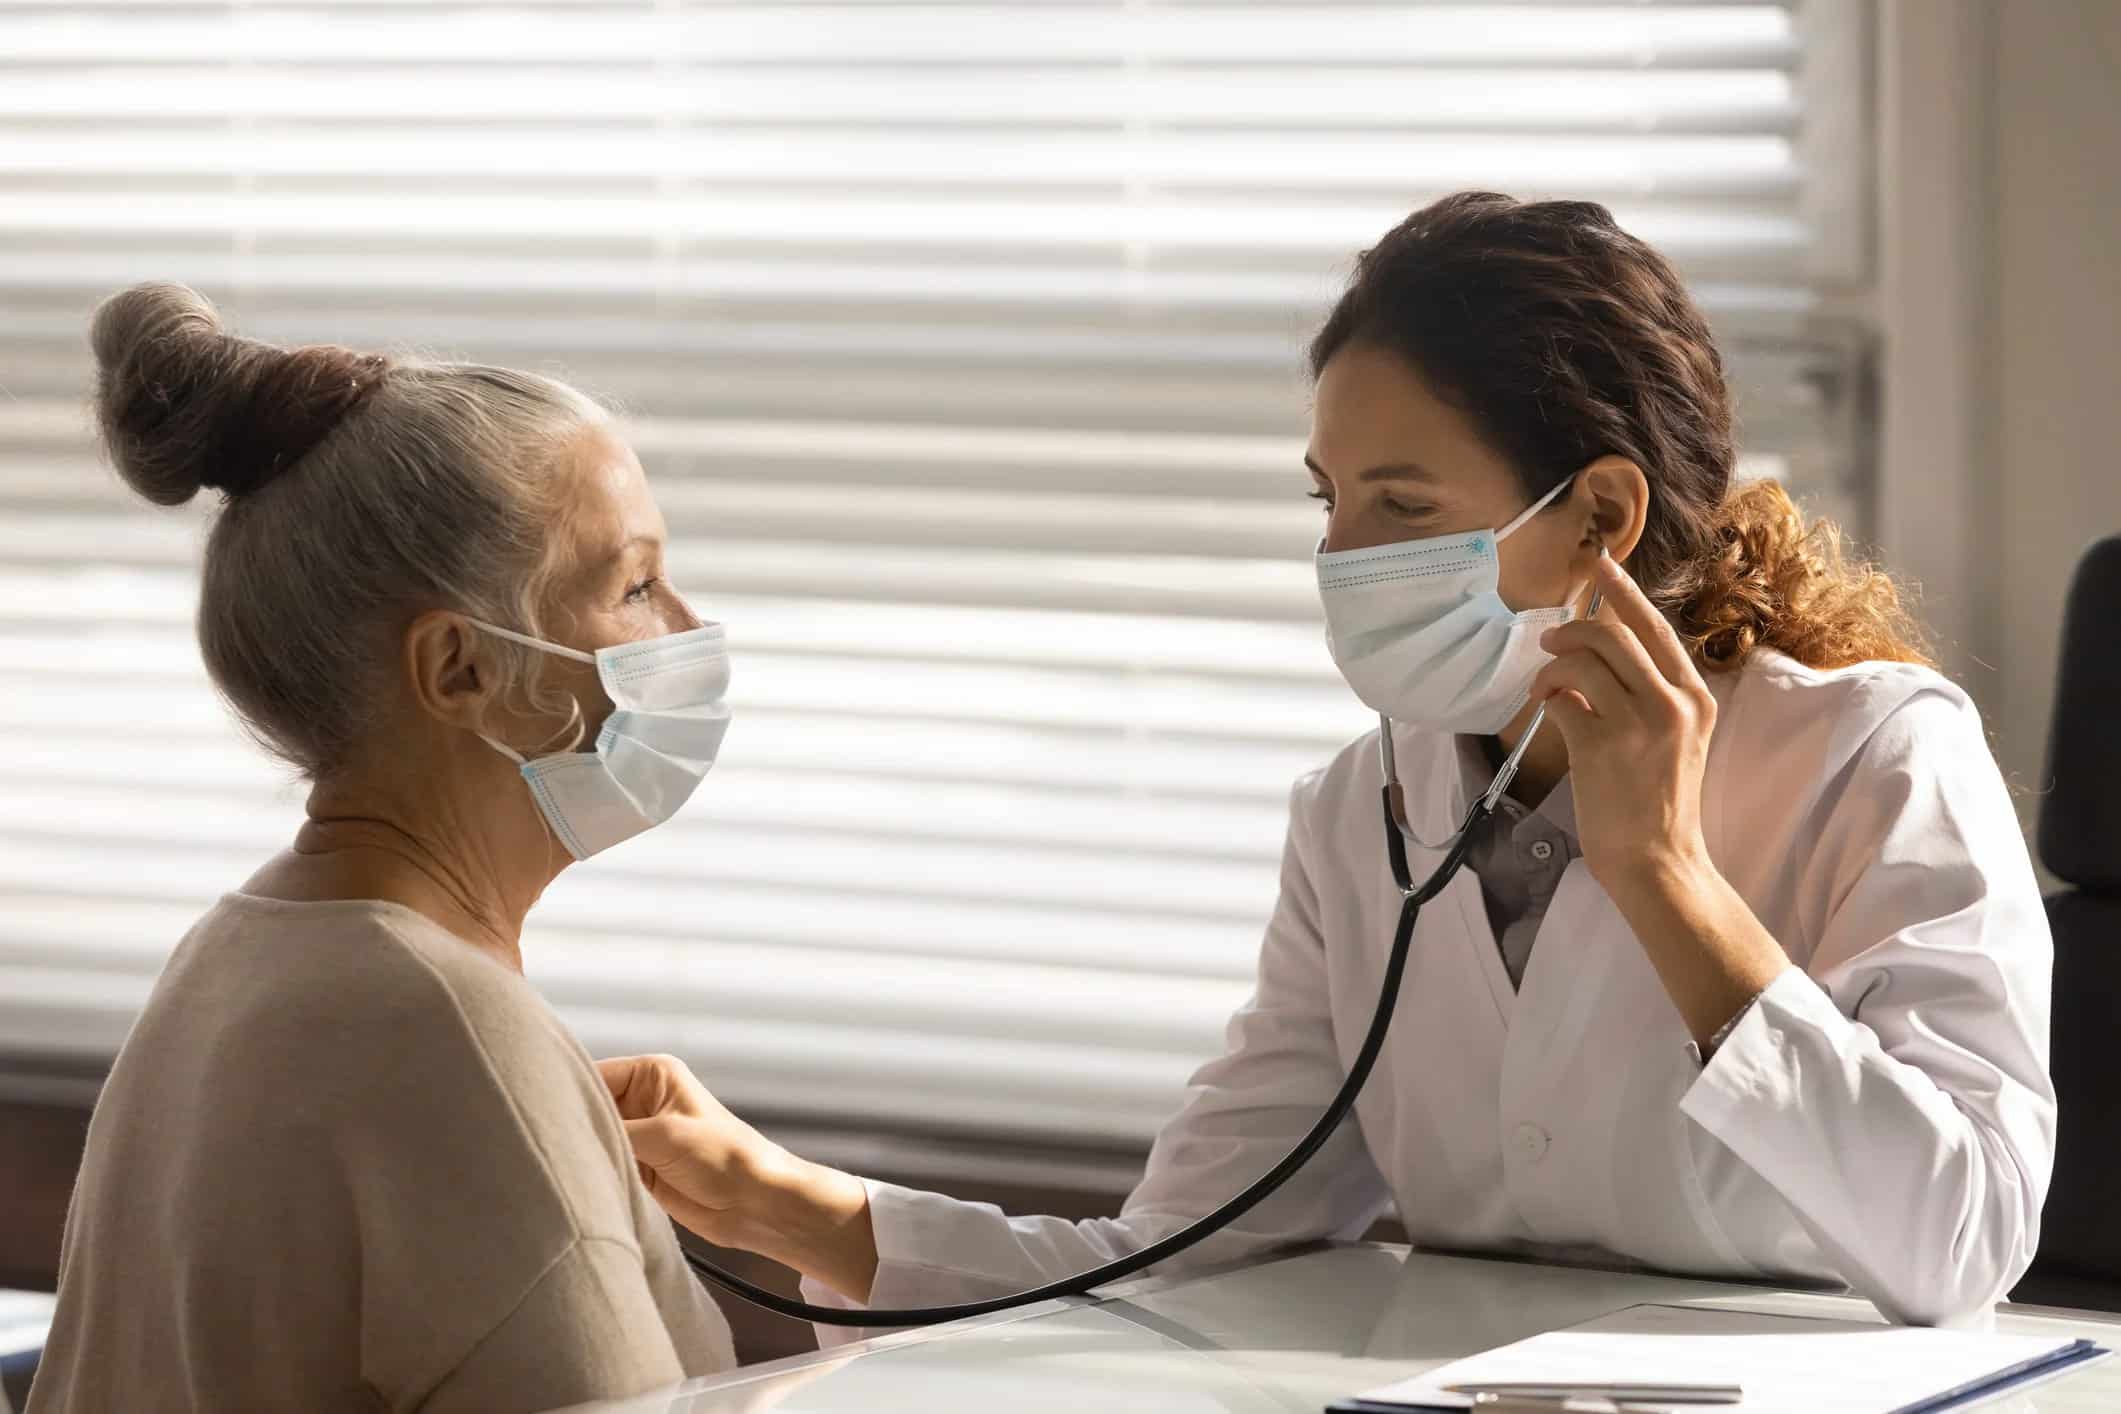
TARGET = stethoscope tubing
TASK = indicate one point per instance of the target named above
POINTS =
(1411, 900)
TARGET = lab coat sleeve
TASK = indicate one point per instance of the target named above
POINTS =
(1241, 1113)
(1894, 1090)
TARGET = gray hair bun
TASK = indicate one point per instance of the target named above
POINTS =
(183, 404)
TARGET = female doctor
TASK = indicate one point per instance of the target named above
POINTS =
(1749, 974)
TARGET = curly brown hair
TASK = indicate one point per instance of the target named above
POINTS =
(1566, 339)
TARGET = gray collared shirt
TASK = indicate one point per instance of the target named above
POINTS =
(1519, 855)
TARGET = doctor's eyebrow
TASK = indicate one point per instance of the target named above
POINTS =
(1390, 471)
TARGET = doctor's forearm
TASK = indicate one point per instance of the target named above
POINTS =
(816, 1220)
(1708, 948)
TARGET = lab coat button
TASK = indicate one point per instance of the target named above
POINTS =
(1532, 1142)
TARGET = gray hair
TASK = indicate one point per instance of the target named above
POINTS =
(358, 492)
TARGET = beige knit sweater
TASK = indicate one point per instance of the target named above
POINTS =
(348, 1162)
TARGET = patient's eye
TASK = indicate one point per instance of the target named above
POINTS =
(638, 593)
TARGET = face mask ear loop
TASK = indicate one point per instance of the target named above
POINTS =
(528, 642)
(1534, 509)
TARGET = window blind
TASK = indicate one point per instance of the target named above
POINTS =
(962, 344)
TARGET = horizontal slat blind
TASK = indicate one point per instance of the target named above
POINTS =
(962, 343)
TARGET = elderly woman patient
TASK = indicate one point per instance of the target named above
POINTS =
(348, 1159)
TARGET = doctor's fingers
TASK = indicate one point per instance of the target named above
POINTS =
(1657, 699)
(1613, 644)
(1652, 630)
(705, 1173)
(660, 1143)
(681, 1206)
(1580, 686)
(650, 1085)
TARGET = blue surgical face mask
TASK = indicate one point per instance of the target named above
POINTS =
(669, 716)
(1421, 634)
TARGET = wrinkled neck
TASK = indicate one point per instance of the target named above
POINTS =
(475, 870)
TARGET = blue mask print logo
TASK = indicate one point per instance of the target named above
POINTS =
(1477, 543)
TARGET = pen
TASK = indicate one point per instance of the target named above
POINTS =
(1574, 1404)
(1617, 1393)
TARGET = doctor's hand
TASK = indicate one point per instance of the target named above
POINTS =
(1637, 717)
(721, 1178)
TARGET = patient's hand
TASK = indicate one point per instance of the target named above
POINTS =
(733, 1186)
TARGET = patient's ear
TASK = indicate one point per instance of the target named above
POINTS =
(449, 669)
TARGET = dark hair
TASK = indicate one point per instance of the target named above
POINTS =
(1565, 339)
(160, 349)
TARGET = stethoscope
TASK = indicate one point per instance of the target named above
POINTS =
(1411, 898)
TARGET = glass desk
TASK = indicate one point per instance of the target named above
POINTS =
(1284, 1335)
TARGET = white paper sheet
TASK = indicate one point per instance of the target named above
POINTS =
(1785, 1364)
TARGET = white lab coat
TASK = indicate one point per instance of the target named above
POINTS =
(1882, 1117)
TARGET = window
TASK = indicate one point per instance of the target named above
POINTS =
(961, 342)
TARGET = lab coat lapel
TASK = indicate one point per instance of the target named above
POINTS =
(1561, 1069)
(1435, 806)
(1561, 994)
(1474, 931)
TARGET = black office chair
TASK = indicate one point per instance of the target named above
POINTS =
(2080, 842)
